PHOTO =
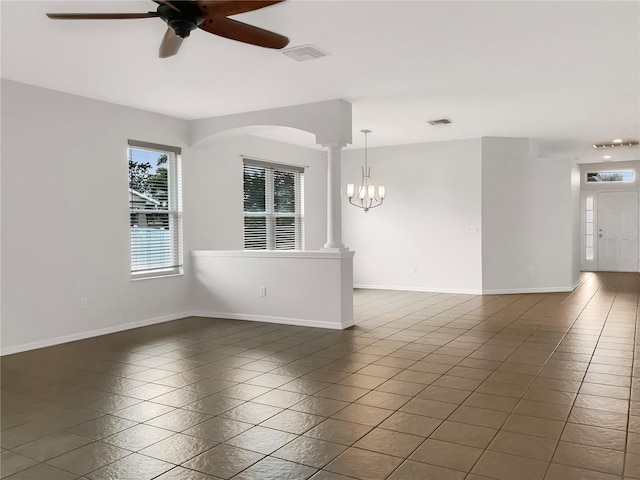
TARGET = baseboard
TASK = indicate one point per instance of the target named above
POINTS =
(301, 322)
(512, 291)
(267, 319)
(499, 291)
(91, 333)
(420, 289)
(167, 318)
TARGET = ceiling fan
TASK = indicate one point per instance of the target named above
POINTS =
(183, 16)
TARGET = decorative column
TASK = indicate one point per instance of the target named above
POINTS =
(334, 201)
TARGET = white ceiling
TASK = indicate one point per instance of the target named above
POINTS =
(567, 73)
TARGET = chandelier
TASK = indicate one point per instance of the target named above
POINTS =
(369, 196)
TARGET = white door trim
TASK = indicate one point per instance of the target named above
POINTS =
(592, 265)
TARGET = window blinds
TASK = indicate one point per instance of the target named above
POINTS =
(273, 206)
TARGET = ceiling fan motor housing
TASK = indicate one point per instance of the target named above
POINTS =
(183, 21)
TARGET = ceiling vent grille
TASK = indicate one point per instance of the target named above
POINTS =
(623, 143)
(303, 53)
(441, 121)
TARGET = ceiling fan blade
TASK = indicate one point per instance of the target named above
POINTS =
(167, 3)
(100, 16)
(243, 32)
(170, 44)
(224, 8)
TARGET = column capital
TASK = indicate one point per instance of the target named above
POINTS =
(334, 145)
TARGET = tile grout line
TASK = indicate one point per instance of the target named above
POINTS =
(501, 363)
(538, 327)
(536, 376)
(631, 386)
(600, 286)
(440, 375)
(458, 323)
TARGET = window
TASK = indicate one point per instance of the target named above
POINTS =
(155, 210)
(614, 176)
(588, 228)
(273, 210)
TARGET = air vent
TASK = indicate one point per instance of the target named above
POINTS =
(442, 121)
(621, 143)
(303, 53)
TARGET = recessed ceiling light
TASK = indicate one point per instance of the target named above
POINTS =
(607, 157)
(617, 140)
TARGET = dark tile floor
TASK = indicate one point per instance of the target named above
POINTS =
(426, 386)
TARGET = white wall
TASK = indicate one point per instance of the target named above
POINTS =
(65, 227)
(65, 231)
(227, 285)
(433, 200)
(311, 288)
(526, 210)
(528, 219)
(212, 193)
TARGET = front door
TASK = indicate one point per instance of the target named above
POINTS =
(617, 222)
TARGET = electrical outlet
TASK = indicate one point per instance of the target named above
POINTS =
(414, 269)
(263, 291)
(532, 269)
(84, 303)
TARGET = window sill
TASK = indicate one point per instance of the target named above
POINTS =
(140, 277)
(319, 254)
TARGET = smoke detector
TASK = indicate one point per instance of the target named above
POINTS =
(303, 53)
(441, 121)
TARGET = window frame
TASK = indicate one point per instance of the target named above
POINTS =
(590, 173)
(270, 215)
(590, 243)
(173, 211)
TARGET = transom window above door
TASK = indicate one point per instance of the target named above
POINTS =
(611, 176)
